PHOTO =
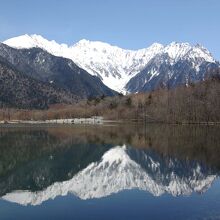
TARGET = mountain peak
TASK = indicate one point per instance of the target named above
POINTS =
(113, 65)
(29, 41)
(155, 46)
(179, 44)
(23, 41)
(95, 45)
(83, 42)
(177, 50)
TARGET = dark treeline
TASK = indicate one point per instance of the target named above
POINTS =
(194, 103)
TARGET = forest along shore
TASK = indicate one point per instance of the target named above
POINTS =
(196, 103)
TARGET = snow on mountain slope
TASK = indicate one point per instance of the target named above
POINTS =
(123, 168)
(115, 66)
(177, 51)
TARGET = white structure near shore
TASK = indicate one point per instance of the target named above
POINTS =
(92, 120)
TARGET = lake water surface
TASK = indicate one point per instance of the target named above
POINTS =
(106, 172)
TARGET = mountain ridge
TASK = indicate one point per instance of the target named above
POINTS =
(58, 72)
(113, 65)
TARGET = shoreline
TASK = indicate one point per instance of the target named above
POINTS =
(91, 121)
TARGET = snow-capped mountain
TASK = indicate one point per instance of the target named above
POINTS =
(178, 64)
(112, 64)
(117, 67)
(123, 168)
(58, 72)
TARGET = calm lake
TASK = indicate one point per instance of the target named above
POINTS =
(106, 172)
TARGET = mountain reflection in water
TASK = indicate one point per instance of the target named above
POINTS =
(39, 164)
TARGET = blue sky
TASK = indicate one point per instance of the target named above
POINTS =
(129, 24)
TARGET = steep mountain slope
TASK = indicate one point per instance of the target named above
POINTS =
(123, 168)
(179, 64)
(126, 70)
(114, 66)
(21, 91)
(60, 72)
